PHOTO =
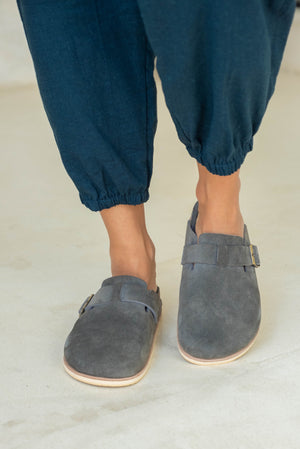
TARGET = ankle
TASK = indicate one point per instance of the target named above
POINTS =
(142, 269)
(140, 247)
(208, 194)
(226, 221)
(137, 259)
(213, 189)
(218, 205)
(220, 208)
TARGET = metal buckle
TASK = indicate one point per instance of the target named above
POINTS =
(82, 308)
(253, 256)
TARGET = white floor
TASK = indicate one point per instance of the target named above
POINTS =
(54, 253)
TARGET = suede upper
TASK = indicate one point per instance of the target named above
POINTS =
(113, 335)
(219, 301)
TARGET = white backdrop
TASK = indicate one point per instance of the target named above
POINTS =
(16, 66)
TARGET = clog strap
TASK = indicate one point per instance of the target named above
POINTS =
(104, 294)
(138, 294)
(129, 292)
(223, 255)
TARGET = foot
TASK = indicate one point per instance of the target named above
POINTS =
(219, 300)
(112, 341)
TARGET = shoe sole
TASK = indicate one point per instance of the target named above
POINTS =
(220, 361)
(113, 382)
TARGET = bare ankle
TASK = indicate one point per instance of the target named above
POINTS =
(142, 269)
(135, 260)
(218, 203)
(211, 188)
(216, 221)
(132, 251)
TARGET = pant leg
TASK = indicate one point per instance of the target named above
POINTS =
(94, 68)
(218, 62)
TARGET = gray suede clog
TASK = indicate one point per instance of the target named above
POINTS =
(219, 300)
(111, 343)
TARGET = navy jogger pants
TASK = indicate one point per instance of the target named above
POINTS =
(217, 60)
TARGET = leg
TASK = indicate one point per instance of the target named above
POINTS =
(218, 64)
(94, 68)
(131, 248)
(218, 199)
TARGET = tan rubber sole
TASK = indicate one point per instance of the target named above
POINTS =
(113, 382)
(220, 361)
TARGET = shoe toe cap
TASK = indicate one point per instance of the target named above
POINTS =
(109, 344)
(219, 313)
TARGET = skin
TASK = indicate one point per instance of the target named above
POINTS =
(131, 249)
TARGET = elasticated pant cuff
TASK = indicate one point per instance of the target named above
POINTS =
(226, 168)
(99, 204)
